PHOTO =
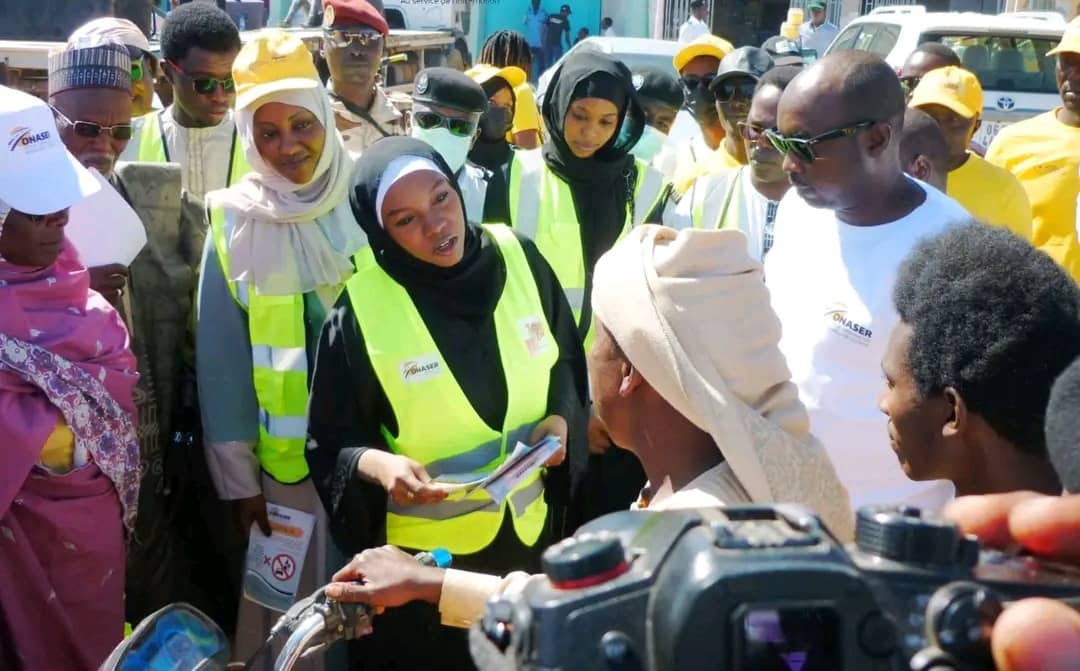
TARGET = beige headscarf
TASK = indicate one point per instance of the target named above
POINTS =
(690, 310)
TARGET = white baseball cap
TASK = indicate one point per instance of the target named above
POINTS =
(38, 175)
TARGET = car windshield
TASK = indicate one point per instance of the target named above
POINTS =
(1012, 63)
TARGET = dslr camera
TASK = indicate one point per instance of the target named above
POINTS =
(762, 588)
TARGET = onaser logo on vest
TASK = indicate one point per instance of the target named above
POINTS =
(534, 334)
(841, 323)
(421, 368)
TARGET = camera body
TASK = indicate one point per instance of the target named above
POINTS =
(763, 588)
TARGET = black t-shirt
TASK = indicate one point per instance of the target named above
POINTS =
(557, 24)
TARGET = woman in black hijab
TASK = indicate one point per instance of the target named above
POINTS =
(575, 198)
(448, 336)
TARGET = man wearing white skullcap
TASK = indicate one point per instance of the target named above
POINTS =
(687, 374)
(144, 66)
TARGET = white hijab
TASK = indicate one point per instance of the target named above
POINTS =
(291, 239)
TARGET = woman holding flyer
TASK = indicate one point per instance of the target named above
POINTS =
(450, 345)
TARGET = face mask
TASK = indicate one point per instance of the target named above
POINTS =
(650, 144)
(495, 123)
(454, 149)
(702, 105)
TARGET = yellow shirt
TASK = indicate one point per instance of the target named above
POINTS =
(1044, 154)
(992, 195)
(526, 114)
(697, 159)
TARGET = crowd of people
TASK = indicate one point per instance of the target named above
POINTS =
(827, 296)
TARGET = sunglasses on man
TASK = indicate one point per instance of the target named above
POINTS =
(431, 120)
(205, 85)
(752, 132)
(363, 38)
(695, 81)
(734, 88)
(120, 131)
(909, 83)
(803, 148)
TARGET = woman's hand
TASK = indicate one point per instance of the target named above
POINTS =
(599, 439)
(1033, 633)
(386, 577)
(109, 281)
(552, 425)
(405, 480)
(249, 511)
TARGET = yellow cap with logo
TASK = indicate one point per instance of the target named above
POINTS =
(952, 87)
(272, 61)
(1070, 40)
(481, 73)
(706, 45)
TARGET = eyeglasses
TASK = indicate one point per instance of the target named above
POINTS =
(753, 132)
(121, 131)
(343, 38)
(458, 127)
(735, 87)
(909, 83)
(206, 85)
(803, 148)
(694, 81)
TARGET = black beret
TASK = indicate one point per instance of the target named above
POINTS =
(657, 84)
(450, 88)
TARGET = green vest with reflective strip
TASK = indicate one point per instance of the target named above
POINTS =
(542, 209)
(154, 149)
(730, 208)
(437, 424)
(279, 358)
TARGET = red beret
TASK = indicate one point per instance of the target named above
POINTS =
(352, 13)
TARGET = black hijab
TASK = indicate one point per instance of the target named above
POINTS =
(472, 287)
(601, 185)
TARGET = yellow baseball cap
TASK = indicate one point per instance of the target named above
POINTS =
(952, 87)
(1070, 40)
(706, 45)
(481, 73)
(272, 61)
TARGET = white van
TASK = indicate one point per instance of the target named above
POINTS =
(1007, 52)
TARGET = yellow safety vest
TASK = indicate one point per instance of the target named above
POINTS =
(542, 209)
(154, 149)
(279, 357)
(728, 216)
(437, 424)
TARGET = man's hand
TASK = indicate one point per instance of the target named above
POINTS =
(251, 510)
(109, 281)
(552, 425)
(405, 480)
(1033, 634)
(599, 439)
(386, 577)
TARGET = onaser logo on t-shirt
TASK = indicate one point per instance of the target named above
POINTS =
(421, 368)
(534, 335)
(841, 323)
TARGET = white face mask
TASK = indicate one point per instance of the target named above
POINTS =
(454, 149)
(649, 145)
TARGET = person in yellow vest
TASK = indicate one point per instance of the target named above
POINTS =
(993, 195)
(277, 256)
(746, 198)
(697, 64)
(451, 344)
(1044, 154)
(492, 149)
(198, 45)
(509, 48)
(575, 197)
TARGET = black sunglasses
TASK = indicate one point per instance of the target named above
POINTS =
(694, 81)
(909, 83)
(734, 87)
(803, 148)
(753, 132)
(458, 127)
(206, 85)
(121, 131)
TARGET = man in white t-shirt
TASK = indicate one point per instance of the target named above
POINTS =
(695, 26)
(840, 236)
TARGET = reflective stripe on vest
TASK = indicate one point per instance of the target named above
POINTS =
(154, 149)
(437, 424)
(730, 211)
(280, 367)
(542, 209)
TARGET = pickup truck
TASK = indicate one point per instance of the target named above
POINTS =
(24, 63)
